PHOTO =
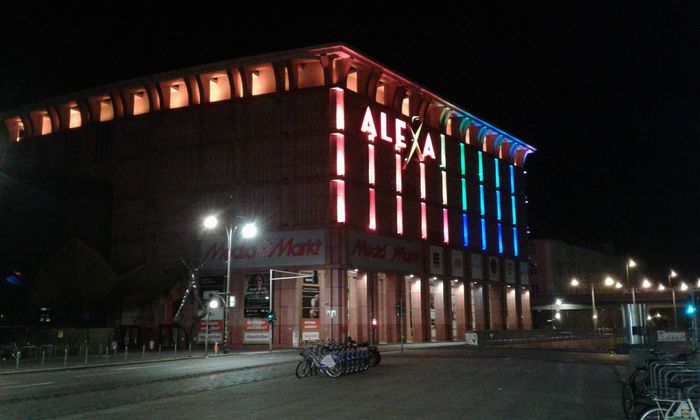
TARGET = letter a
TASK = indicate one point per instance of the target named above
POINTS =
(428, 149)
(368, 125)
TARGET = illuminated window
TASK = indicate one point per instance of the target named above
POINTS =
(45, 124)
(310, 74)
(481, 167)
(445, 227)
(352, 81)
(405, 106)
(370, 164)
(74, 118)
(448, 128)
(381, 89)
(286, 79)
(219, 87)
(482, 205)
(497, 177)
(422, 180)
(399, 215)
(141, 105)
(423, 221)
(372, 210)
(465, 229)
(15, 129)
(263, 80)
(464, 194)
(106, 109)
(444, 188)
(178, 94)
(500, 239)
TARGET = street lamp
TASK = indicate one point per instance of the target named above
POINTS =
(646, 284)
(248, 231)
(594, 314)
(673, 275)
(213, 304)
(630, 264)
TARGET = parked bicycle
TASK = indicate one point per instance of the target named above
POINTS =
(334, 359)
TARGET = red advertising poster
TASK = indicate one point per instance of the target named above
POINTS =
(310, 322)
(216, 327)
(256, 331)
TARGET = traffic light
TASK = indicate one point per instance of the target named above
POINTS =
(399, 309)
(691, 306)
(271, 317)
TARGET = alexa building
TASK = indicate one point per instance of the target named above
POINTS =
(392, 193)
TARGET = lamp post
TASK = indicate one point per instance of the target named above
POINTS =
(630, 264)
(673, 275)
(213, 304)
(249, 230)
(594, 313)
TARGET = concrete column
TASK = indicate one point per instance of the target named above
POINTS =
(460, 292)
(425, 310)
(486, 304)
(441, 310)
(334, 296)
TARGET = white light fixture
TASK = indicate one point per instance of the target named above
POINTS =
(214, 303)
(557, 315)
(661, 288)
(658, 315)
(210, 222)
(631, 263)
(558, 302)
(618, 285)
(609, 281)
(646, 284)
(673, 274)
(574, 282)
(249, 230)
(684, 287)
(648, 317)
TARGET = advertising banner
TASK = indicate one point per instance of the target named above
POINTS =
(280, 249)
(381, 253)
(310, 329)
(256, 331)
(216, 319)
(256, 297)
(310, 310)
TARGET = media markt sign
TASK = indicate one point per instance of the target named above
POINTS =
(381, 253)
(280, 249)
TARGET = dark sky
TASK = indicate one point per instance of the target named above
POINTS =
(608, 94)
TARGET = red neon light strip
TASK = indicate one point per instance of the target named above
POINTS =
(422, 180)
(399, 185)
(338, 143)
(399, 215)
(445, 227)
(423, 221)
(372, 210)
(371, 164)
(339, 96)
(339, 185)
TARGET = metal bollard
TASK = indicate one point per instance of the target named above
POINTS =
(159, 349)
(126, 353)
(175, 348)
(86, 355)
(190, 349)
(19, 356)
(65, 357)
(43, 358)
(143, 353)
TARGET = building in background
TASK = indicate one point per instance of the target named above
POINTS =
(392, 193)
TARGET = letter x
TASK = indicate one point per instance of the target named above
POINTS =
(415, 146)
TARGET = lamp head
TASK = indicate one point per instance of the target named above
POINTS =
(211, 222)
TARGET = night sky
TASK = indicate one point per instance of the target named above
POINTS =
(608, 94)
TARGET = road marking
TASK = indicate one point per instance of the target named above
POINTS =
(24, 386)
(136, 367)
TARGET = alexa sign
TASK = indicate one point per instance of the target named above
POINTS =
(369, 127)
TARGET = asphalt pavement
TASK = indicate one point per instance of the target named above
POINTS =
(424, 381)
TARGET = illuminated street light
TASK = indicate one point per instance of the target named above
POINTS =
(646, 284)
(661, 288)
(248, 231)
(557, 316)
(631, 263)
(684, 286)
(609, 281)
(558, 302)
(575, 282)
(618, 285)
(214, 303)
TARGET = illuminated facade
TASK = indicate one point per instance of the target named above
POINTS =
(392, 193)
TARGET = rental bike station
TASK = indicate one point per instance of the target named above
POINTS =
(666, 387)
(336, 359)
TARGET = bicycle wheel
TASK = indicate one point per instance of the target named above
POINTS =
(628, 401)
(638, 381)
(303, 369)
(374, 357)
(655, 413)
(334, 372)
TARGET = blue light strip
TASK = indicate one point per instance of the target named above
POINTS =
(515, 241)
(512, 208)
(497, 176)
(498, 205)
(481, 167)
(465, 229)
(483, 234)
(512, 180)
(500, 239)
(463, 159)
(482, 206)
